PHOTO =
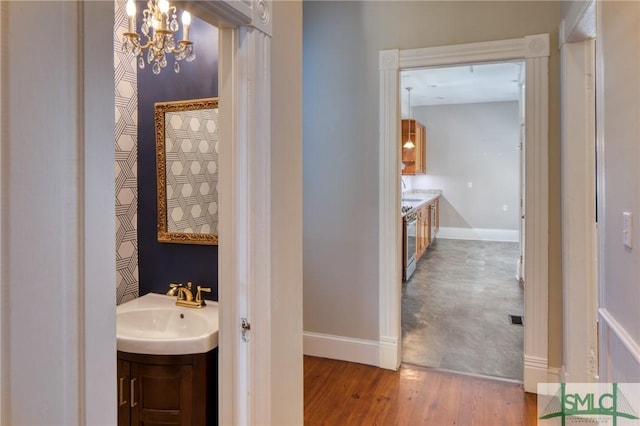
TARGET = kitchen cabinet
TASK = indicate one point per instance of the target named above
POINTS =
(428, 223)
(414, 159)
(436, 226)
(423, 231)
(419, 234)
(177, 390)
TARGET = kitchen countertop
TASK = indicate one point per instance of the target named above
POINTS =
(418, 198)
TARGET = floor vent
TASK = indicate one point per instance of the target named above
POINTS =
(516, 320)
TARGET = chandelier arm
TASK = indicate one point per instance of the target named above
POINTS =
(134, 40)
(147, 45)
(183, 46)
(149, 40)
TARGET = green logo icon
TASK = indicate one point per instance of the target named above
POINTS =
(566, 405)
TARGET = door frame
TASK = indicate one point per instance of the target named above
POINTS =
(534, 51)
(521, 182)
(87, 316)
(245, 383)
(578, 186)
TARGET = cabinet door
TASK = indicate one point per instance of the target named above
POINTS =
(437, 215)
(419, 235)
(425, 225)
(423, 231)
(123, 386)
(414, 159)
(408, 154)
(161, 394)
(431, 224)
(420, 166)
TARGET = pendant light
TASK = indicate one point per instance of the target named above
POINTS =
(409, 143)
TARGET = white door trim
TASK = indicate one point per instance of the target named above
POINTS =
(534, 50)
(245, 192)
(579, 266)
(245, 210)
(3, 336)
(578, 185)
(244, 279)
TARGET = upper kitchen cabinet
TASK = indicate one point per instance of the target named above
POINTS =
(414, 158)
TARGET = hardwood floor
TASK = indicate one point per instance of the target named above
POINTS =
(344, 393)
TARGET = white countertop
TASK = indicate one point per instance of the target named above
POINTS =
(418, 198)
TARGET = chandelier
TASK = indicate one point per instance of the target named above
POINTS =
(159, 24)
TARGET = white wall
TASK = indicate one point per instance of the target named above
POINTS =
(476, 144)
(341, 125)
(58, 230)
(620, 126)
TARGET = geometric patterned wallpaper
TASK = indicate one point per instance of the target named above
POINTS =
(191, 145)
(126, 149)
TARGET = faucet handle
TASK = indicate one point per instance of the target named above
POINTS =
(199, 297)
(173, 289)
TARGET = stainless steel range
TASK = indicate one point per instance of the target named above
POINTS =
(409, 253)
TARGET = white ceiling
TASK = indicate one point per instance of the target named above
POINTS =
(462, 84)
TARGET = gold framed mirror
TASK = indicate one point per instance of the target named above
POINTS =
(187, 171)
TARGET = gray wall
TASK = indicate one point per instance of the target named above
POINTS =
(340, 128)
(620, 266)
(477, 144)
(287, 389)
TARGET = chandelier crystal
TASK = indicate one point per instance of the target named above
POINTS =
(159, 24)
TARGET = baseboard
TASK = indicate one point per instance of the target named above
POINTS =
(536, 371)
(450, 233)
(389, 354)
(343, 348)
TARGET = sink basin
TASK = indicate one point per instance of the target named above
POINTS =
(154, 325)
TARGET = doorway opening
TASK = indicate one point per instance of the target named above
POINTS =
(243, 47)
(459, 304)
(534, 52)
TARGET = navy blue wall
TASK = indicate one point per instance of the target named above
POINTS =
(164, 263)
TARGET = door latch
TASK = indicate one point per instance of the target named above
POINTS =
(246, 327)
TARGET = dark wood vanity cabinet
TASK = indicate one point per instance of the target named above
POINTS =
(168, 389)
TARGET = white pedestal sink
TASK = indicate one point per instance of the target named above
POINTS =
(154, 325)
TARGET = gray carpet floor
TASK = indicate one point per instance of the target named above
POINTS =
(456, 307)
